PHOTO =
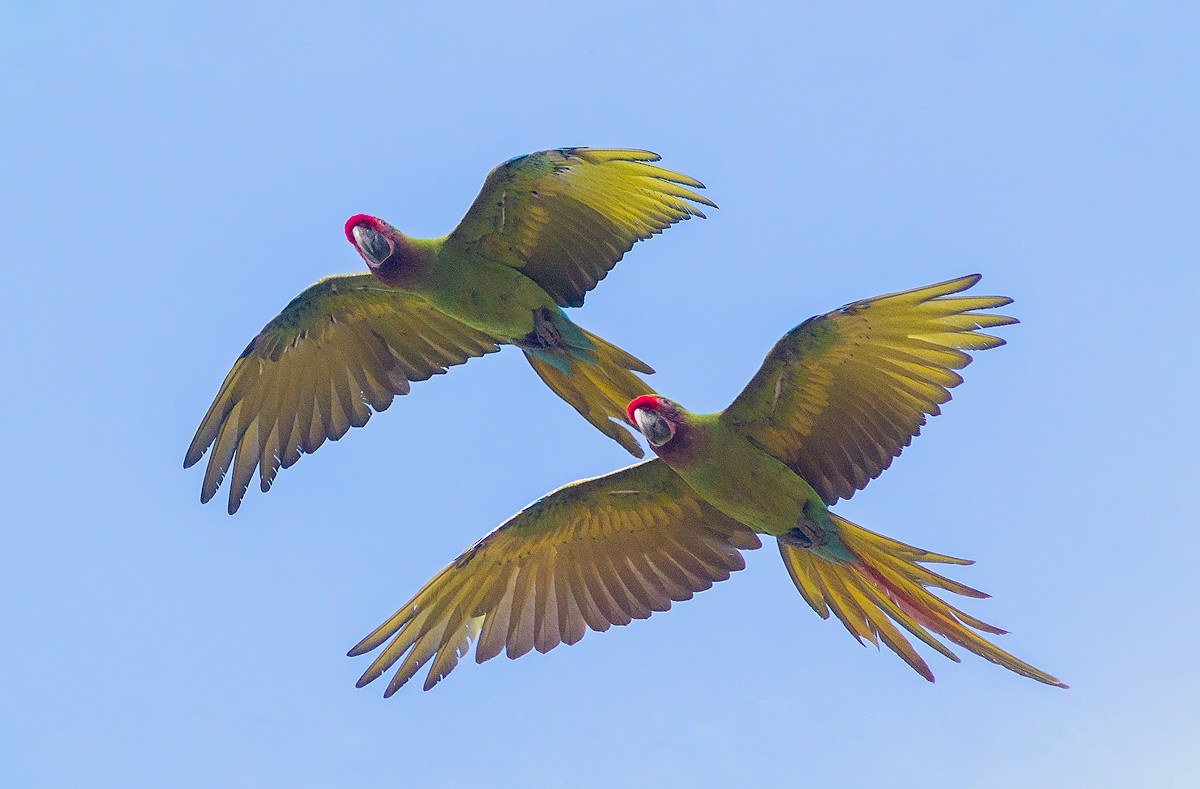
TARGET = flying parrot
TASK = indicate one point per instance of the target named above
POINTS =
(835, 401)
(544, 230)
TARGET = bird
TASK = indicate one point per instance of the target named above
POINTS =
(543, 231)
(834, 403)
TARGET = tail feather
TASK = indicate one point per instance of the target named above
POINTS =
(857, 606)
(598, 383)
(886, 585)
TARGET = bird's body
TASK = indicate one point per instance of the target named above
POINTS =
(835, 401)
(728, 471)
(544, 230)
(494, 298)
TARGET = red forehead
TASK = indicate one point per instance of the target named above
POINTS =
(651, 402)
(361, 219)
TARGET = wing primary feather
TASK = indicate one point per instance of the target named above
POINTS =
(495, 627)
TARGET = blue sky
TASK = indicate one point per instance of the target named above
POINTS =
(174, 173)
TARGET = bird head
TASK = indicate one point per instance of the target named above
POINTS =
(381, 246)
(374, 239)
(658, 419)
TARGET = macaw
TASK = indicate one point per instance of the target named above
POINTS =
(544, 230)
(835, 401)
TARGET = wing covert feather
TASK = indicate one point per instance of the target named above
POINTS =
(589, 555)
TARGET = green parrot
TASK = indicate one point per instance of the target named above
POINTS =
(544, 230)
(834, 402)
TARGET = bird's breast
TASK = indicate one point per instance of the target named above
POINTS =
(495, 299)
(751, 487)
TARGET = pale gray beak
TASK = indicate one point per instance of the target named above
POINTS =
(657, 430)
(375, 246)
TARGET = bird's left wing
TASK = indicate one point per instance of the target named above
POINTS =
(842, 394)
(565, 217)
(595, 553)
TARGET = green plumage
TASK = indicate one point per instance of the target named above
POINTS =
(544, 230)
(835, 401)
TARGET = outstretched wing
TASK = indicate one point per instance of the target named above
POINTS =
(842, 394)
(345, 345)
(565, 217)
(595, 553)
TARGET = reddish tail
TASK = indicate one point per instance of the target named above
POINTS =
(887, 583)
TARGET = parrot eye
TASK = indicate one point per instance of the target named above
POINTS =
(375, 246)
(657, 430)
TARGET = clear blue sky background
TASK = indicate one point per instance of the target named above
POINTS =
(174, 173)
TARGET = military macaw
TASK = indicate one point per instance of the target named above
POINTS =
(836, 399)
(545, 228)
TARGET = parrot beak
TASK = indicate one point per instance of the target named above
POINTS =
(374, 246)
(657, 430)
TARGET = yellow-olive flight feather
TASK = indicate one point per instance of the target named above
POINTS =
(835, 401)
(544, 230)
(592, 554)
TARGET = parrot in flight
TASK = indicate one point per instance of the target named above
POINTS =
(544, 230)
(835, 401)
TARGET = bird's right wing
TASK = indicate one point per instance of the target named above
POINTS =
(345, 345)
(595, 553)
